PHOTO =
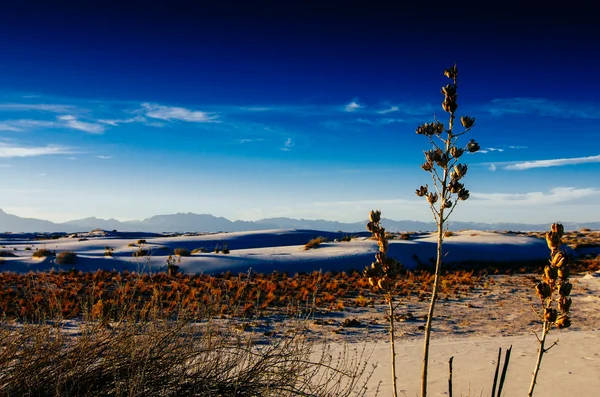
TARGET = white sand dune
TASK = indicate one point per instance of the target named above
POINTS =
(265, 251)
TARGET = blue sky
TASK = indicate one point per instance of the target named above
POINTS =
(260, 111)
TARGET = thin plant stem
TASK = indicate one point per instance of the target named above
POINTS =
(538, 362)
(392, 345)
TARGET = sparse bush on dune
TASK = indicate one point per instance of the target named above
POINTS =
(141, 252)
(181, 252)
(200, 250)
(66, 258)
(315, 242)
(42, 253)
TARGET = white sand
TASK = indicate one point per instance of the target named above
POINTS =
(265, 251)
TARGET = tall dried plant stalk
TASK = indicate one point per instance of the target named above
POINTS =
(381, 274)
(442, 163)
(555, 283)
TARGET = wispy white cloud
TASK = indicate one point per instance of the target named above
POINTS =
(517, 147)
(104, 157)
(8, 127)
(70, 121)
(170, 113)
(390, 110)
(525, 165)
(248, 140)
(353, 106)
(116, 122)
(492, 167)
(544, 107)
(554, 196)
(10, 151)
(287, 146)
(493, 149)
(44, 107)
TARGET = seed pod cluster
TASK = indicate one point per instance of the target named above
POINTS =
(384, 270)
(556, 281)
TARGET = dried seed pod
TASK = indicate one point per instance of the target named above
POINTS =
(564, 304)
(553, 240)
(375, 216)
(559, 259)
(459, 172)
(550, 315)
(449, 90)
(455, 186)
(558, 229)
(564, 272)
(432, 198)
(467, 121)
(422, 191)
(456, 152)
(384, 283)
(463, 194)
(451, 72)
(447, 203)
(428, 166)
(473, 146)
(551, 273)
(565, 288)
(543, 290)
(563, 321)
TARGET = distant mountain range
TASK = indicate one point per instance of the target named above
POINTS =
(208, 223)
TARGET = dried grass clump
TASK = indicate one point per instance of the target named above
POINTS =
(315, 242)
(42, 253)
(181, 252)
(184, 355)
(66, 258)
(200, 250)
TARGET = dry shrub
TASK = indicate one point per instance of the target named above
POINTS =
(181, 251)
(315, 242)
(200, 250)
(187, 354)
(42, 253)
(66, 258)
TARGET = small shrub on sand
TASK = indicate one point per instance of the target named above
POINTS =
(200, 250)
(131, 245)
(181, 252)
(225, 249)
(66, 258)
(141, 252)
(315, 242)
(448, 233)
(142, 241)
(42, 253)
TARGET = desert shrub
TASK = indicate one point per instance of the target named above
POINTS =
(155, 355)
(200, 250)
(141, 252)
(346, 238)
(181, 251)
(132, 245)
(225, 249)
(6, 254)
(448, 233)
(66, 258)
(42, 253)
(28, 248)
(315, 242)
(141, 241)
(585, 229)
(405, 236)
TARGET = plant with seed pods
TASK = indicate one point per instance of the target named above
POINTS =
(553, 290)
(381, 275)
(442, 163)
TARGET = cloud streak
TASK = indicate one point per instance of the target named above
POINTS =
(44, 107)
(526, 165)
(11, 151)
(170, 113)
(543, 107)
(73, 123)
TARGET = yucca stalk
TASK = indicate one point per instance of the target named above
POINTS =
(554, 281)
(441, 161)
(381, 274)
